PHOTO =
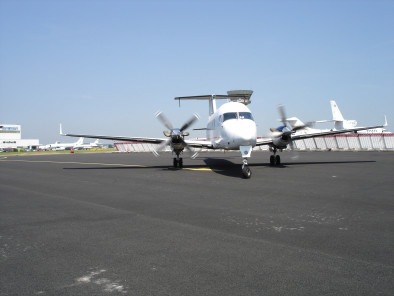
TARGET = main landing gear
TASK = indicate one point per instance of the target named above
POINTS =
(178, 162)
(246, 172)
(274, 159)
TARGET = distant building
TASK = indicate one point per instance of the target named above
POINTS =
(11, 137)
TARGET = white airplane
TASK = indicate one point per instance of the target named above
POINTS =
(230, 127)
(61, 146)
(91, 145)
(341, 123)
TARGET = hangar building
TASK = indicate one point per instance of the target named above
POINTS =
(11, 137)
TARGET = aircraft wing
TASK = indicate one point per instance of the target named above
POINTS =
(199, 144)
(126, 139)
(268, 141)
(191, 143)
(115, 138)
(329, 133)
(263, 141)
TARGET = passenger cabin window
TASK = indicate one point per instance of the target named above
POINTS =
(230, 115)
(245, 115)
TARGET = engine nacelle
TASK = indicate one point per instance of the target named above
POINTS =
(282, 141)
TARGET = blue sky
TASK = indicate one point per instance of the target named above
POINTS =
(105, 67)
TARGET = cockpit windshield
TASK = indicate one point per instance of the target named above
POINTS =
(245, 115)
(237, 115)
(230, 115)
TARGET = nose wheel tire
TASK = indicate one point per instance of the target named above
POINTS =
(246, 172)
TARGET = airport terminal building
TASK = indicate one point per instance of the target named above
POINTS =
(11, 138)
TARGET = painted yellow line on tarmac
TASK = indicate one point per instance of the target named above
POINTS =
(75, 162)
(197, 169)
(97, 163)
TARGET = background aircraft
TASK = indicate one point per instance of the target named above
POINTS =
(341, 123)
(230, 127)
(62, 146)
(91, 145)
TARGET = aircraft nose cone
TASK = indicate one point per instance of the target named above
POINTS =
(248, 135)
(247, 138)
(239, 133)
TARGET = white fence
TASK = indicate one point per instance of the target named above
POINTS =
(337, 142)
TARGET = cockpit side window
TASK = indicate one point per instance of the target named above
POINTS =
(245, 115)
(230, 115)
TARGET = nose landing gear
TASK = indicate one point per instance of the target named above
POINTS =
(246, 151)
(246, 172)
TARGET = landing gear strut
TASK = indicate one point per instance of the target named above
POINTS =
(246, 172)
(274, 159)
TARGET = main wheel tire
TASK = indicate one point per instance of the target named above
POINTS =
(277, 160)
(246, 172)
(272, 160)
(181, 163)
(175, 162)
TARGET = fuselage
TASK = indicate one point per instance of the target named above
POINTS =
(232, 126)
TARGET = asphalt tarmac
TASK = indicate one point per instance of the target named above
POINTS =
(130, 224)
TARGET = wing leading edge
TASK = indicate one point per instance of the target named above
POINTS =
(268, 141)
(191, 143)
(114, 138)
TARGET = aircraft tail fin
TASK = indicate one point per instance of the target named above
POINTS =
(336, 113)
(80, 141)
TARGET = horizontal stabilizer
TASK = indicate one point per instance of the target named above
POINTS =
(203, 97)
(233, 95)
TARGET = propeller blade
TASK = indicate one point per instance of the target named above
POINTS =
(193, 153)
(164, 120)
(294, 152)
(282, 113)
(291, 146)
(160, 147)
(193, 119)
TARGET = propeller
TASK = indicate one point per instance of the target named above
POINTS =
(286, 121)
(282, 135)
(175, 135)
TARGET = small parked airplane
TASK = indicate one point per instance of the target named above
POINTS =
(62, 146)
(91, 145)
(230, 127)
(341, 123)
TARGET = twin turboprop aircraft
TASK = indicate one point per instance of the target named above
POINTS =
(230, 127)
